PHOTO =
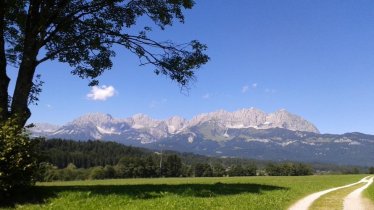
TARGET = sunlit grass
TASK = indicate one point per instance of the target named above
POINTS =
(369, 192)
(180, 193)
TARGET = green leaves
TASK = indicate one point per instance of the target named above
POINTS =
(82, 33)
(17, 158)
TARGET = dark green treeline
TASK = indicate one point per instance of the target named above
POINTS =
(77, 160)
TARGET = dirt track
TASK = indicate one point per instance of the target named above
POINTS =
(353, 201)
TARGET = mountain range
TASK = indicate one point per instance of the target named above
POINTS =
(247, 133)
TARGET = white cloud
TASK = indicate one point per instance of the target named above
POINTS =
(254, 85)
(245, 88)
(101, 93)
(206, 96)
(48, 106)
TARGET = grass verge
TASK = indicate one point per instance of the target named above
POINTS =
(369, 193)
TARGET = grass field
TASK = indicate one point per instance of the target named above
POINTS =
(179, 193)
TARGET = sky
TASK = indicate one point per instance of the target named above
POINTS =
(312, 58)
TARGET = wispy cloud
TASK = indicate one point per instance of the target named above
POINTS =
(102, 93)
(49, 106)
(206, 96)
(157, 103)
(245, 88)
(268, 90)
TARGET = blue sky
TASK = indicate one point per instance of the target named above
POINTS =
(313, 58)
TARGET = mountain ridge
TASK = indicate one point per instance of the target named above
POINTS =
(245, 133)
(243, 118)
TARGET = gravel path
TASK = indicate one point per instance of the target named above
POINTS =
(306, 202)
(355, 200)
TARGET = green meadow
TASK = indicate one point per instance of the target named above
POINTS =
(177, 193)
(369, 192)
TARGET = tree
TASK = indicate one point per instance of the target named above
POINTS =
(289, 169)
(250, 170)
(173, 166)
(150, 167)
(371, 170)
(239, 170)
(218, 170)
(301, 169)
(18, 160)
(126, 167)
(186, 170)
(203, 170)
(82, 33)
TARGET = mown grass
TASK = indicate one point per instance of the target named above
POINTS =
(178, 193)
(334, 200)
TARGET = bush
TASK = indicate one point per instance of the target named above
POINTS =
(110, 172)
(18, 162)
(47, 172)
(97, 172)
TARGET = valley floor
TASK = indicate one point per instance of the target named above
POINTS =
(178, 193)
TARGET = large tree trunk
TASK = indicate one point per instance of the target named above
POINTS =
(20, 100)
(19, 108)
(4, 79)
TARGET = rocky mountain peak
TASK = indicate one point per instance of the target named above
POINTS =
(175, 123)
(284, 119)
(141, 127)
(93, 118)
(143, 121)
(43, 129)
(248, 117)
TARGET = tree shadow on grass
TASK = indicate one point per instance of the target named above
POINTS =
(40, 194)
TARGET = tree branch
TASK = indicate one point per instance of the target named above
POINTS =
(69, 18)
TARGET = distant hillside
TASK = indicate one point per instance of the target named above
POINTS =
(86, 154)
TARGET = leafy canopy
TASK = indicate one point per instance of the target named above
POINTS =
(83, 32)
